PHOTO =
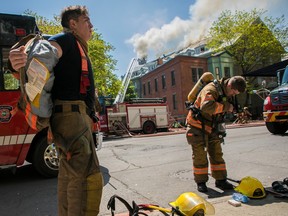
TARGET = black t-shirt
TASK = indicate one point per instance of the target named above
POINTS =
(68, 72)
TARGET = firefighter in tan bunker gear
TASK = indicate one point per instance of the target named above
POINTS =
(80, 181)
(204, 123)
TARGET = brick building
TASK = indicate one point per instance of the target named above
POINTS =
(173, 81)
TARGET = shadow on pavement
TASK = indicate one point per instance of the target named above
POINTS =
(25, 192)
(212, 193)
(27, 173)
(106, 175)
(21, 174)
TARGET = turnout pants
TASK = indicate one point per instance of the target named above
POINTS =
(80, 181)
(200, 150)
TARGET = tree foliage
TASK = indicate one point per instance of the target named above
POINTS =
(251, 41)
(103, 65)
(102, 62)
(130, 93)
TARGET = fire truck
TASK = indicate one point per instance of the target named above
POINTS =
(144, 115)
(147, 115)
(276, 105)
(18, 142)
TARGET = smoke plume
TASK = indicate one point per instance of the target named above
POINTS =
(181, 33)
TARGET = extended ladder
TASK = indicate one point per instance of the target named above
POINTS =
(122, 92)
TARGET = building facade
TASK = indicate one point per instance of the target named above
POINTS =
(172, 81)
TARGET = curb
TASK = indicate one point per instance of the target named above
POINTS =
(173, 131)
(251, 124)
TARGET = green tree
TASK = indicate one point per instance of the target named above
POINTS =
(252, 42)
(103, 64)
(130, 93)
(106, 81)
(45, 25)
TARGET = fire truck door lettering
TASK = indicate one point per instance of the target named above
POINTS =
(16, 139)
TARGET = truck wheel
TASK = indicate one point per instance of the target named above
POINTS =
(149, 127)
(277, 127)
(45, 158)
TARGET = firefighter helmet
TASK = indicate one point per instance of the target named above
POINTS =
(190, 204)
(251, 187)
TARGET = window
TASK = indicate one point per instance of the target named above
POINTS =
(174, 101)
(149, 88)
(200, 72)
(9, 82)
(156, 84)
(227, 72)
(144, 89)
(217, 73)
(173, 81)
(196, 74)
(163, 82)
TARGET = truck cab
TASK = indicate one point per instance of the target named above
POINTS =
(18, 142)
(275, 109)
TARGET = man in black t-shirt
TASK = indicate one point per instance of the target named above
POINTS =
(80, 181)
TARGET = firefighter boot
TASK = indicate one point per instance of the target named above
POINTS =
(201, 187)
(224, 185)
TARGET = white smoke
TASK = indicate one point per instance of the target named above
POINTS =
(180, 33)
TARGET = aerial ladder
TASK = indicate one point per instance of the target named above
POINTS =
(122, 92)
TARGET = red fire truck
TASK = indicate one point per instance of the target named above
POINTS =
(18, 142)
(147, 115)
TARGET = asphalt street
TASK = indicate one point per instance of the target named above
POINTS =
(157, 169)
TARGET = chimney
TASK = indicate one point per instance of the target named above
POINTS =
(159, 61)
(142, 61)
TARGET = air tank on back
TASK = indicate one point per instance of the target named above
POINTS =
(204, 79)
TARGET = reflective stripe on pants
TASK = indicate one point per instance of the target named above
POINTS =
(199, 155)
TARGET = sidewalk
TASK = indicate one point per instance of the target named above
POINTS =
(173, 131)
(253, 123)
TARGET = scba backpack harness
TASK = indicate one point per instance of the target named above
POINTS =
(37, 79)
(187, 204)
(195, 112)
(137, 210)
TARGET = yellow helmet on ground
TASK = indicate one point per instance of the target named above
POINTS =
(190, 204)
(251, 187)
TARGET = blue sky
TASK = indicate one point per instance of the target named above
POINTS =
(151, 28)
